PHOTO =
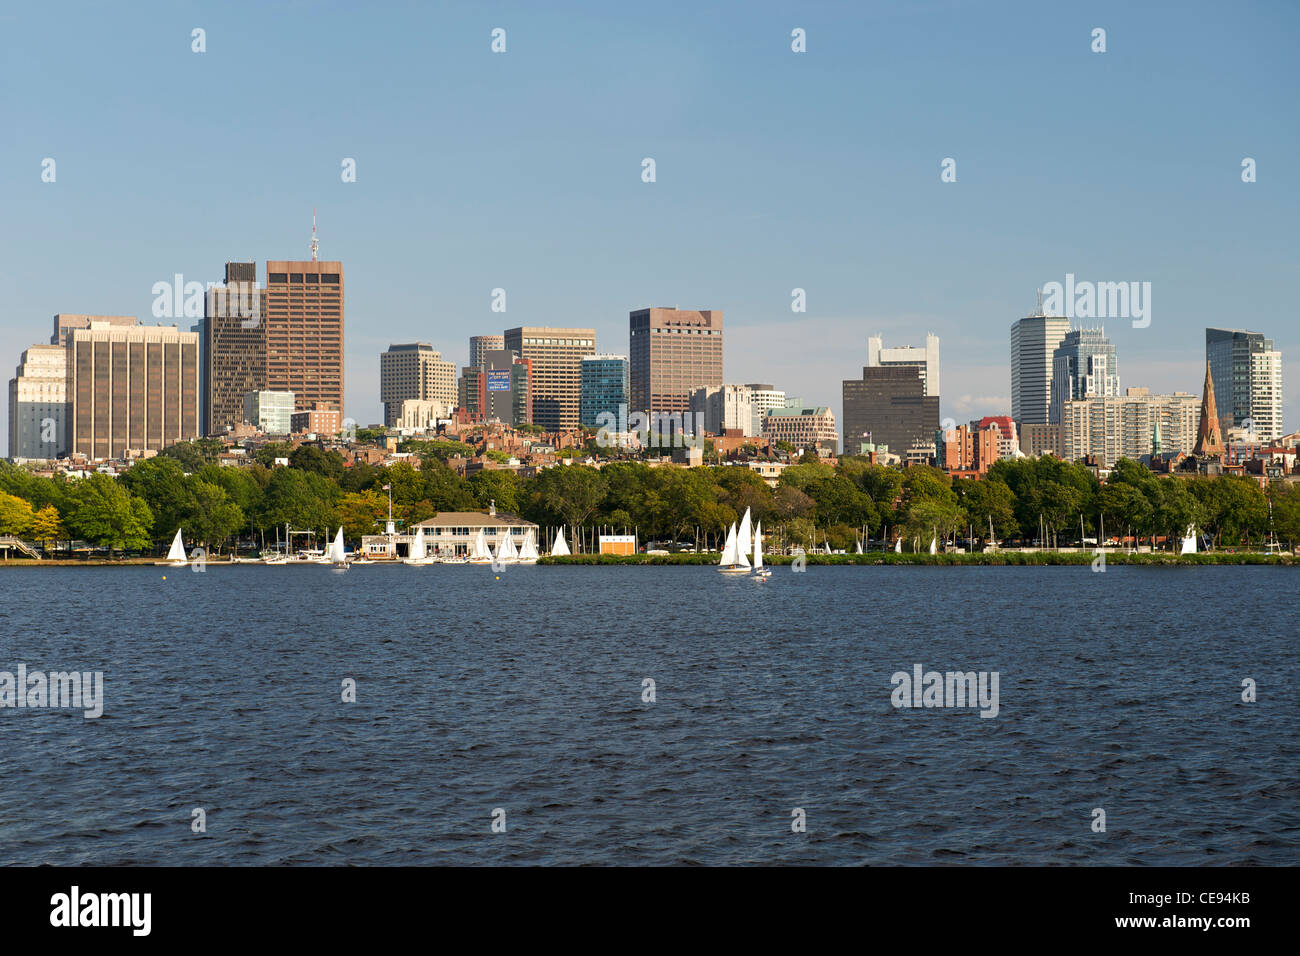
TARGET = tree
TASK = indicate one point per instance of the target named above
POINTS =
(312, 458)
(194, 454)
(299, 499)
(495, 484)
(47, 526)
(15, 515)
(160, 481)
(102, 512)
(360, 512)
(987, 501)
(212, 516)
(1286, 511)
(571, 492)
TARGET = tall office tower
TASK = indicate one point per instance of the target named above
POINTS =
(471, 392)
(889, 406)
(38, 403)
(506, 388)
(480, 345)
(1131, 425)
(672, 352)
(304, 332)
(1247, 374)
(65, 322)
(604, 388)
(723, 407)
(762, 399)
(131, 388)
(926, 358)
(414, 372)
(1083, 366)
(1034, 340)
(233, 347)
(555, 356)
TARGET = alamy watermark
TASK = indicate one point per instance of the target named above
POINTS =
(58, 689)
(193, 300)
(1099, 300)
(650, 429)
(951, 689)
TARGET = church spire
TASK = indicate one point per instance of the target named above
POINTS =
(1209, 437)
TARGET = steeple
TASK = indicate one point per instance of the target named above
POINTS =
(1155, 441)
(1209, 437)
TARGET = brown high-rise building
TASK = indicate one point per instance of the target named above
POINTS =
(303, 316)
(234, 352)
(671, 353)
(131, 387)
(555, 359)
(889, 406)
(66, 322)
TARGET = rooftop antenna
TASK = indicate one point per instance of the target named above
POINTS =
(315, 244)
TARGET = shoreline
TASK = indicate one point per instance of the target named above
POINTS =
(877, 559)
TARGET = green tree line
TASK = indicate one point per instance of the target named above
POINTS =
(812, 503)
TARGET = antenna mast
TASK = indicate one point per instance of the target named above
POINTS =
(314, 243)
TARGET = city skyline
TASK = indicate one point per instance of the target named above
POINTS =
(960, 259)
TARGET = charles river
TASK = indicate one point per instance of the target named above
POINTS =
(524, 692)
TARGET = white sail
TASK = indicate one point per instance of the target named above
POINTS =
(857, 547)
(479, 549)
(826, 547)
(417, 545)
(758, 546)
(337, 554)
(177, 552)
(743, 535)
(528, 550)
(507, 549)
(559, 549)
(1189, 541)
(729, 548)
(898, 546)
(934, 545)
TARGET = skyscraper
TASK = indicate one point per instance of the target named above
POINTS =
(1034, 340)
(414, 372)
(1083, 366)
(1248, 380)
(555, 356)
(926, 358)
(763, 397)
(604, 387)
(234, 347)
(889, 406)
(672, 352)
(38, 403)
(304, 332)
(66, 322)
(131, 388)
(480, 345)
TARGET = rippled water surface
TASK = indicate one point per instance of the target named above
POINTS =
(524, 692)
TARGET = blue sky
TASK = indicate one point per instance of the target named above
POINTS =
(775, 170)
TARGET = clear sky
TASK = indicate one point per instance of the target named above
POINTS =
(775, 170)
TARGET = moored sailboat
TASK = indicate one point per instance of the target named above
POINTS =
(528, 550)
(478, 550)
(419, 555)
(559, 549)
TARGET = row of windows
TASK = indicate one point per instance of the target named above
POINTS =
(300, 278)
(572, 342)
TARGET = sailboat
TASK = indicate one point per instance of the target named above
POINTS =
(337, 554)
(1189, 541)
(898, 546)
(528, 550)
(419, 555)
(733, 561)
(176, 556)
(760, 573)
(857, 546)
(934, 544)
(559, 549)
(478, 550)
(506, 552)
(743, 536)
